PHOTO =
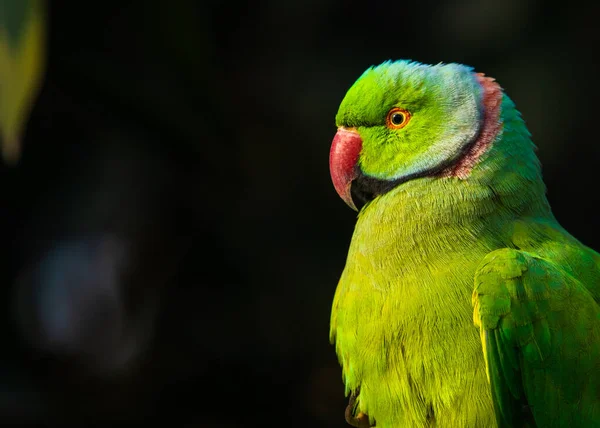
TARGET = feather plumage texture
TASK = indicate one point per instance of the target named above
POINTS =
(456, 273)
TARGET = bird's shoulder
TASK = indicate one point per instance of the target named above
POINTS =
(546, 239)
(536, 305)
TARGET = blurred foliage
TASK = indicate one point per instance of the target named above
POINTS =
(22, 57)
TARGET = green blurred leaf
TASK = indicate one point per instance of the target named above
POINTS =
(22, 62)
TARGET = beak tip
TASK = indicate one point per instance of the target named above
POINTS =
(347, 198)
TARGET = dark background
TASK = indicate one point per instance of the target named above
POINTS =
(171, 239)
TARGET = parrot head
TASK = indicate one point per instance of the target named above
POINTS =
(404, 120)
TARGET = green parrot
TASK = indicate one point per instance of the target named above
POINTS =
(463, 302)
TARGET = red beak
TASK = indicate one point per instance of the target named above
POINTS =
(343, 159)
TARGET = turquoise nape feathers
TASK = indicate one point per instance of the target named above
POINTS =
(463, 302)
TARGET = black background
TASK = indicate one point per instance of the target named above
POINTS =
(193, 138)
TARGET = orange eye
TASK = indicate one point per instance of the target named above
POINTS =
(397, 118)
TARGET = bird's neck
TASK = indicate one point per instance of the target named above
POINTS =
(503, 185)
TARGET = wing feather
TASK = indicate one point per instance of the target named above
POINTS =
(540, 332)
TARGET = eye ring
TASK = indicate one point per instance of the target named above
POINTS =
(397, 118)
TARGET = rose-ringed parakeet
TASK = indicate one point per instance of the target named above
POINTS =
(463, 302)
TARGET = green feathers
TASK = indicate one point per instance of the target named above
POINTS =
(463, 303)
(444, 105)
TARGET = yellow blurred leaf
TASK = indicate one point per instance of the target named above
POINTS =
(22, 63)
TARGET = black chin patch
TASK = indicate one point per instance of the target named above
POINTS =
(364, 188)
